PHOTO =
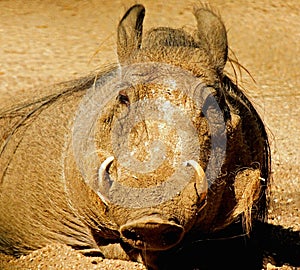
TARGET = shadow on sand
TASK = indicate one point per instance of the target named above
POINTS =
(267, 244)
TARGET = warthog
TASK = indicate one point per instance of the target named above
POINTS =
(140, 160)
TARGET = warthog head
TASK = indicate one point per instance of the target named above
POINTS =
(155, 124)
(159, 126)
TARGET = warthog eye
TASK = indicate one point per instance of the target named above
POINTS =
(123, 98)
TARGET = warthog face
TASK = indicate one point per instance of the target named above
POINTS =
(160, 147)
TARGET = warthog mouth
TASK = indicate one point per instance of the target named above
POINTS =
(105, 182)
(152, 233)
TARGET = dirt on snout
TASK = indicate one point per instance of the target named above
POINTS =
(44, 42)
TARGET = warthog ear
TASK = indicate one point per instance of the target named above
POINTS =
(212, 36)
(130, 32)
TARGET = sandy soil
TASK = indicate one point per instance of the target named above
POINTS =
(44, 42)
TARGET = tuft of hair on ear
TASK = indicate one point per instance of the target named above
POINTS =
(207, 6)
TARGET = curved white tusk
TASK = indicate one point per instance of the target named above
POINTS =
(201, 180)
(106, 163)
(104, 181)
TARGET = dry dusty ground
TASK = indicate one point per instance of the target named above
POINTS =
(43, 42)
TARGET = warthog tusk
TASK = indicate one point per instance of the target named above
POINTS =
(201, 179)
(105, 164)
(104, 181)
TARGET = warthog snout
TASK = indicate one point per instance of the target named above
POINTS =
(152, 233)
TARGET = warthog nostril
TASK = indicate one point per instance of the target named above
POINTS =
(171, 236)
(130, 234)
(152, 234)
